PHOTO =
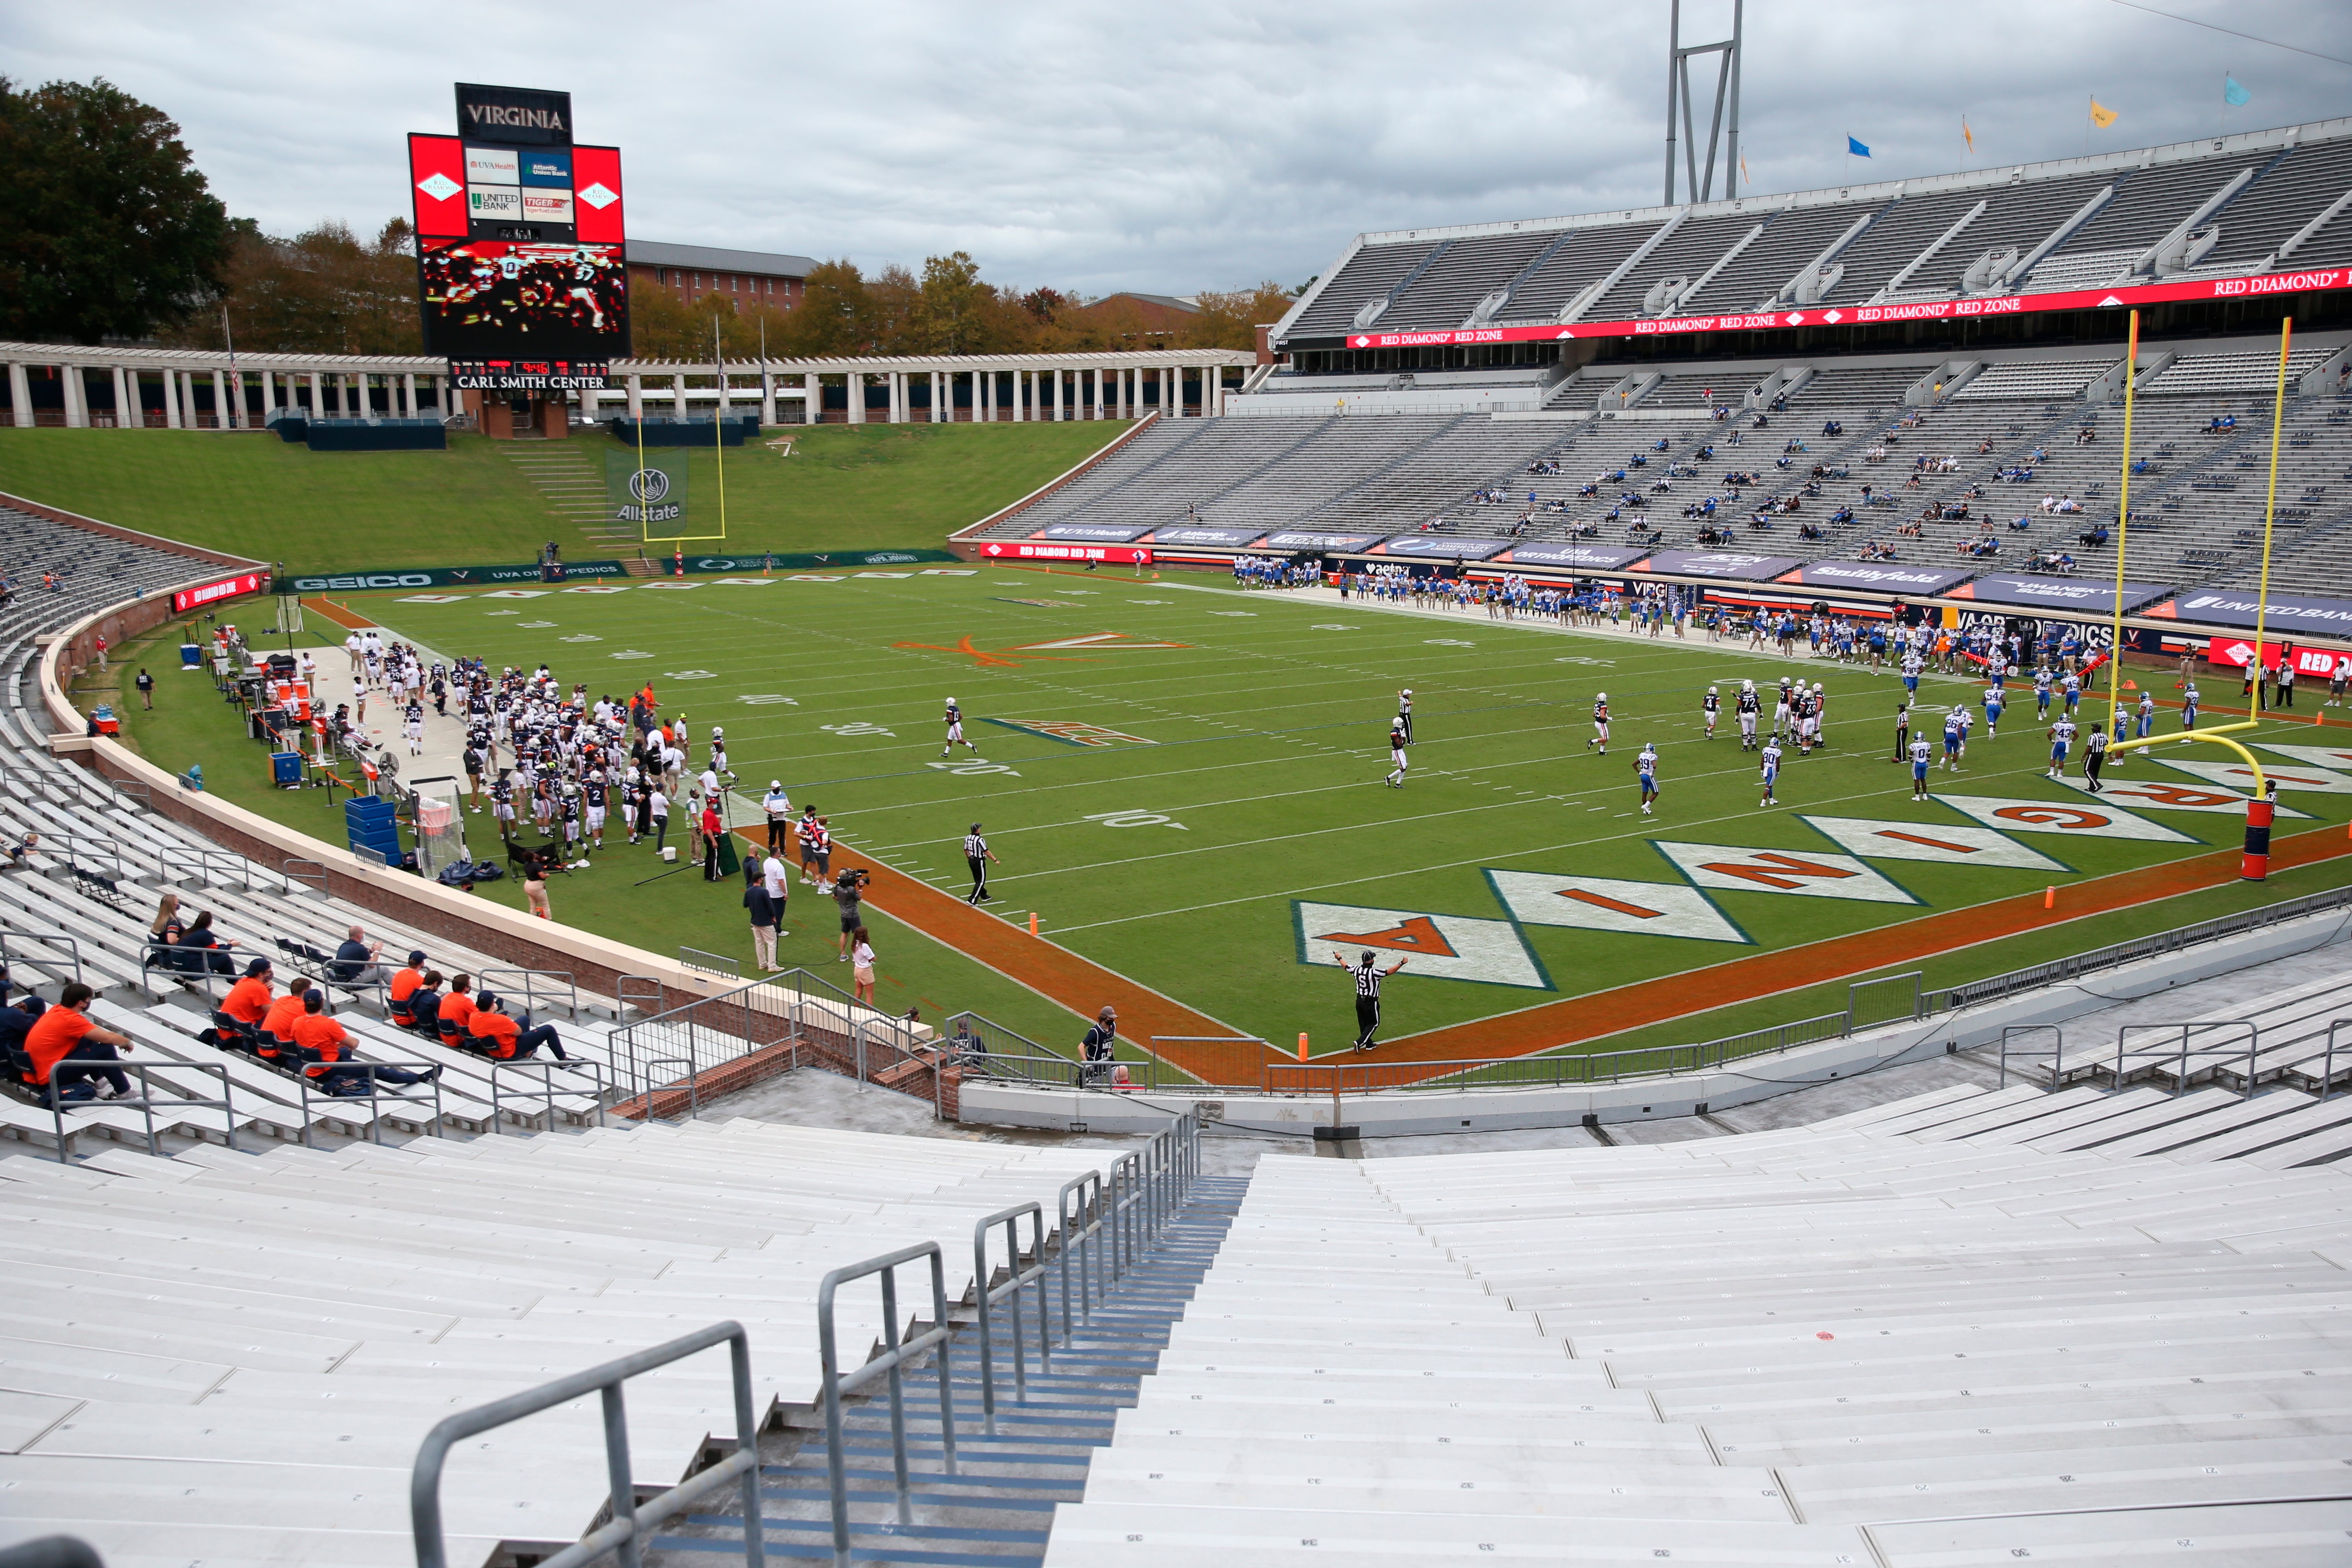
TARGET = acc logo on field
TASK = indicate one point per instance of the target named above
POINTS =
(1801, 872)
(2088, 821)
(1606, 903)
(1930, 841)
(648, 485)
(1441, 947)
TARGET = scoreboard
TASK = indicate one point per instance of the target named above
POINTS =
(519, 235)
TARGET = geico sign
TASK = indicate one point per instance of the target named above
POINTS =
(377, 580)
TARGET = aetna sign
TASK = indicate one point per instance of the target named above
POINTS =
(514, 114)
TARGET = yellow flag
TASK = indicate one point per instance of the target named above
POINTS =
(1744, 176)
(2101, 115)
(1967, 136)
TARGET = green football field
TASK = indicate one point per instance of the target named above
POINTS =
(1185, 783)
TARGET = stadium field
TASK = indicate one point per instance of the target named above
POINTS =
(1185, 783)
(844, 488)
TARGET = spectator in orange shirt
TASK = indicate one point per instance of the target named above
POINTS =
(404, 986)
(507, 1039)
(274, 1040)
(454, 1022)
(247, 1003)
(64, 1034)
(324, 1043)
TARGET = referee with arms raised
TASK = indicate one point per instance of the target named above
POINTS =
(1367, 980)
(976, 855)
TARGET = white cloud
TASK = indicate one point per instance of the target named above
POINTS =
(1165, 148)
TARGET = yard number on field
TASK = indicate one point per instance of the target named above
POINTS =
(858, 727)
(967, 766)
(1134, 819)
(760, 698)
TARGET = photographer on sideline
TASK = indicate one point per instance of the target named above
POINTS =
(847, 889)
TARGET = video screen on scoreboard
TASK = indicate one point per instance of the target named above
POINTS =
(500, 298)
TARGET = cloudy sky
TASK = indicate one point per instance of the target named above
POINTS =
(1163, 148)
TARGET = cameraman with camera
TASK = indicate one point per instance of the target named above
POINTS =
(848, 888)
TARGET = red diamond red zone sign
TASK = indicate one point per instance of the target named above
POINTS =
(188, 599)
(1025, 550)
(2320, 279)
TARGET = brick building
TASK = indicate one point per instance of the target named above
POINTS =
(747, 278)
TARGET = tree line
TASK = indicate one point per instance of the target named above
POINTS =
(110, 232)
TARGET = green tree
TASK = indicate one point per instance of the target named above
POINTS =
(835, 315)
(107, 229)
(951, 317)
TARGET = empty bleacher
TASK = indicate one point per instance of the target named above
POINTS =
(1970, 1326)
(237, 1357)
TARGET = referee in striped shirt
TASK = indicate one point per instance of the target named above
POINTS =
(1367, 980)
(977, 855)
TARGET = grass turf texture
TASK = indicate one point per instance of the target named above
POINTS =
(845, 488)
(1267, 721)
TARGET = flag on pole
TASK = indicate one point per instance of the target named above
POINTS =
(2101, 115)
(1967, 136)
(1745, 178)
(1856, 149)
(2235, 96)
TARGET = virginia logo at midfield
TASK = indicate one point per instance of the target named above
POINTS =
(1057, 649)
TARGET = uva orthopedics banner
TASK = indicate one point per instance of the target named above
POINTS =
(2313, 281)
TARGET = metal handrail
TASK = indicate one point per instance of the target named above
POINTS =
(1077, 1244)
(894, 1354)
(314, 871)
(710, 962)
(2327, 1068)
(546, 1093)
(2181, 1072)
(693, 1089)
(631, 1520)
(630, 990)
(146, 1102)
(377, 1094)
(987, 1295)
(2057, 1054)
(72, 947)
(563, 990)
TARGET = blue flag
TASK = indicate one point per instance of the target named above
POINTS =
(2233, 95)
(1856, 148)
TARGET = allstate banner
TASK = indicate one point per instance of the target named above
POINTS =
(650, 498)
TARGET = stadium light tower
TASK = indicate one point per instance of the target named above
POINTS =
(1701, 184)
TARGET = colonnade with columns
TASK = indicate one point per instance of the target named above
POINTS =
(936, 392)
(188, 389)
(99, 390)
